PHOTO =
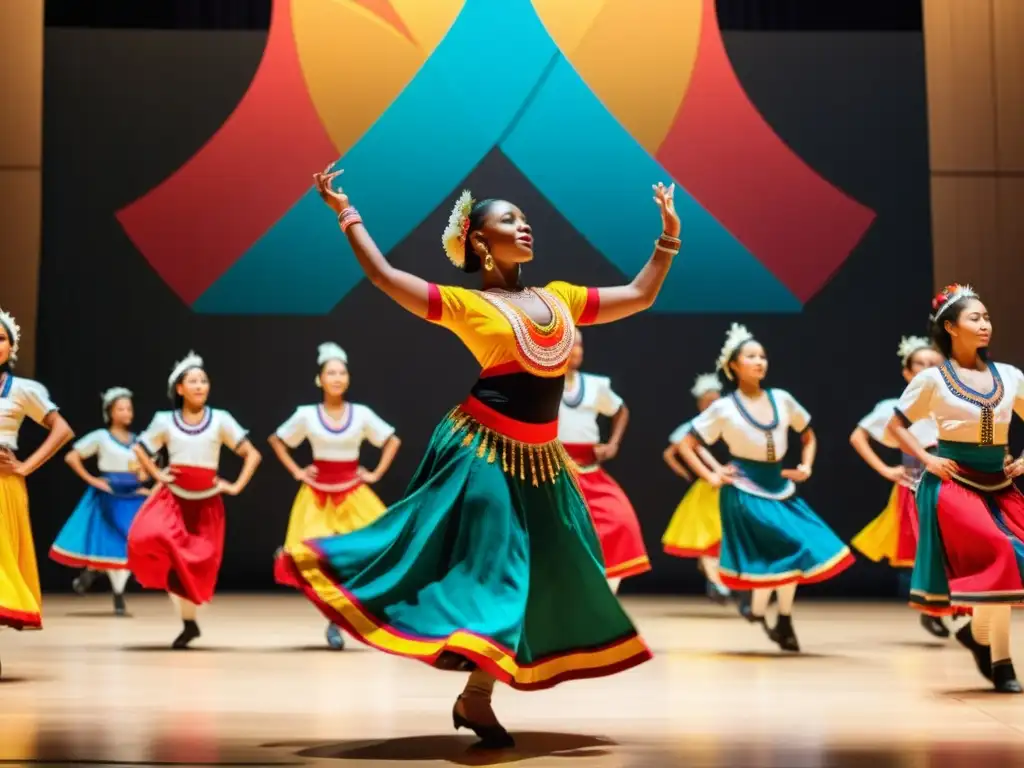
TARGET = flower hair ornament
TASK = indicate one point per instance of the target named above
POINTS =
(110, 397)
(911, 344)
(454, 238)
(737, 336)
(706, 382)
(191, 360)
(325, 353)
(948, 296)
(13, 332)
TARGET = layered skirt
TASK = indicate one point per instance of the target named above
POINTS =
(695, 529)
(338, 503)
(892, 535)
(771, 537)
(615, 520)
(971, 545)
(177, 540)
(20, 597)
(490, 561)
(96, 534)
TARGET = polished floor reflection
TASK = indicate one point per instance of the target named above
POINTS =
(261, 689)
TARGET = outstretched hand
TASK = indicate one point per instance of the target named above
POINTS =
(665, 198)
(335, 198)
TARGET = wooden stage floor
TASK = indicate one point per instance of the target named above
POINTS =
(260, 689)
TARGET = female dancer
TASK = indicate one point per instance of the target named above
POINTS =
(771, 539)
(490, 563)
(177, 540)
(96, 534)
(335, 496)
(585, 398)
(893, 534)
(20, 598)
(970, 514)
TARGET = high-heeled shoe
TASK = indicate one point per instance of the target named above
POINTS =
(982, 653)
(1004, 678)
(491, 736)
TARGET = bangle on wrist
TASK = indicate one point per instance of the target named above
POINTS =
(804, 468)
(348, 217)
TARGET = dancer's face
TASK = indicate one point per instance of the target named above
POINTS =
(576, 355)
(122, 413)
(5, 345)
(334, 378)
(751, 363)
(972, 328)
(704, 401)
(922, 360)
(194, 388)
(504, 234)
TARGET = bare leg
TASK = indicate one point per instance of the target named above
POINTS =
(613, 584)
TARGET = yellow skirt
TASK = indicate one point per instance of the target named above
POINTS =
(20, 597)
(892, 535)
(696, 526)
(310, 520)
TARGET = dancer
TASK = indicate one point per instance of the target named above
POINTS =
(695, 529)
(177, 541)
(490, 563)
(96, 534)
(771, 539)
(335, 497)
(585, 398)
(20, 598)
(892, 535)
(970, 514)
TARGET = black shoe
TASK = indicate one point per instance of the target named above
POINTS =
(188, 634)
(982, 653)
(491, 736)
(934, 626)
(119, 606)
(783, 635)
(83, 581)
(715, 594)
(1004, 678)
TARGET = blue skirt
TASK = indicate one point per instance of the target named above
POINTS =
(770, 537)
(96, 534)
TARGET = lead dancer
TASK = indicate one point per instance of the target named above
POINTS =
(96, 534)
(177, 541)
(892, 535)
(20, 598)
(335, 496)
(586, 397)
(490, 564)
(971, 516)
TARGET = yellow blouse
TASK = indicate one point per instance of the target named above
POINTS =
(503, 338)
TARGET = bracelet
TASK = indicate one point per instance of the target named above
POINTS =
(348, 217)
(670, 239)
(670, 251)
(805, 469)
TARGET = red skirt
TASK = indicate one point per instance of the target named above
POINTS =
(615, 521)
(176, 544)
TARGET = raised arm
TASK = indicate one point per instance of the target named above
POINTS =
(405, 288)
(624, 300)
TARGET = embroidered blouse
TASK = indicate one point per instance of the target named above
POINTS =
(335, 442)
(193, 445)
(111, 454)
(20, 398)
(729, 419)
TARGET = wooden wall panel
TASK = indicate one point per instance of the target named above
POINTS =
(1008, 26)
(20, 231)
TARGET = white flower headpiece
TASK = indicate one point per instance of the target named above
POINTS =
(111, 396)
(706, 382)
(325, 353)
(950, 295)
(191, 360)
(14, 331)
(454, 238)
(737, 336)
(911, 344)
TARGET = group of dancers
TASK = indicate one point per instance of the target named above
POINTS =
(503, 558)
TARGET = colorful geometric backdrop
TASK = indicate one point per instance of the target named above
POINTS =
(592, 100)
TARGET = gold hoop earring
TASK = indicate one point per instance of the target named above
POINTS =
(488, 262)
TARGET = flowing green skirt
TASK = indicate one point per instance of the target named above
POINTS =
(491, 558)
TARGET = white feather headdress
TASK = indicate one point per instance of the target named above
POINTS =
(14, 331)
(330, 351)
(911, 344)
(111, 396)
(706, 382)
(737, 336)
(453, 240)
(950, 295)
(191, 360)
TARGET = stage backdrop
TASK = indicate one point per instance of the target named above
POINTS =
(179, 215)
